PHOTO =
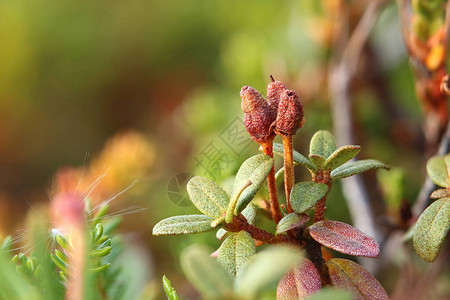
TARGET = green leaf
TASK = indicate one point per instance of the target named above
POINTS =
(431, 229)
(319, 161)
(183, 225)
(255, 169)
(168, 289)
(341, 156)
(306, 194)
(205, 273)
(261, 270)
(235, 251)
(299, 159)
(331, 293)
(350, 276)
(438, 171)
(291, 221)
(231, 210)
(356, 167)
(207, 196)
(441, 193)
(322, 144)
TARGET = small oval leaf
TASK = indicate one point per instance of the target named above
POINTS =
(437, 171)
(318, 161)
(341, 156)
(350, 276)
(207, 196)
(356, 167)
(299, 159)
(441, 193)
(431, 229)
(299, 283)
(344, 238)
(305, 195)
(255, 169)
(183, 225)
(235, 251)
(205, 273)
(291, 221)
(322, 144)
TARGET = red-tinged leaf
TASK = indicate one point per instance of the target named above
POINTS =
(301, 282)
(350, 276)
(344, 238)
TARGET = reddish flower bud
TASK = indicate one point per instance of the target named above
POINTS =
(274, 91)
(290, 113)
(258, 116)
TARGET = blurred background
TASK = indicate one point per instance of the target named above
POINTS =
(136, 96)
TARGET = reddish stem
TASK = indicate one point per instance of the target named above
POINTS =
(271, 184)
(289, 178)
(319, 210)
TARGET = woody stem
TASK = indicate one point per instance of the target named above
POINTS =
(271, 184)
(289, 178)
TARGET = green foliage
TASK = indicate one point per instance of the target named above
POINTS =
(299, 159)
(234, 252)
(431, 229)
(256, 170)
(322, 145)
(341, 156)
(437, 169)
(291, 221)
(183, 225)
(206, 273)
(306, 194)
(168, 289)
(356, 167)
(207, 196)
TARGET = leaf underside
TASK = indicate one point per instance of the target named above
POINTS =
(350, 276)
(344, 238)
(291, 221)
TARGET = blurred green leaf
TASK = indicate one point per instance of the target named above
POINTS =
(438, 171)
(306, 194)
(257, 274)
(356, 167)
(299, 159)
(168, 289)
(255, 169)
(290, 221)
(205, 273)
(350, 276)
(331, 293)
(431, 229)
(322, 144)
(235, 251)
(341, 156)
(207, 196)
(183, 225)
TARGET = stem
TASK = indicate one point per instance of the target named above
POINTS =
(319, 210)
(271, 184)
(313, 249)
(289, 179)
(240, 223)
(233, 202)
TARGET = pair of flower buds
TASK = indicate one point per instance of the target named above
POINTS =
(281, 114)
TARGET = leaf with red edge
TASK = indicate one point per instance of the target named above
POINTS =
(299, 283)
(350, 276)
(344, 238)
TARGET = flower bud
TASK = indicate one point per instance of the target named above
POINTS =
(274, 91)
(290, 113)
(258, 116)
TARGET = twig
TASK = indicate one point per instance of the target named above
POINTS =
(289, 179)
(341, 74)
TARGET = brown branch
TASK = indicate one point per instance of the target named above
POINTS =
(289, 178)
